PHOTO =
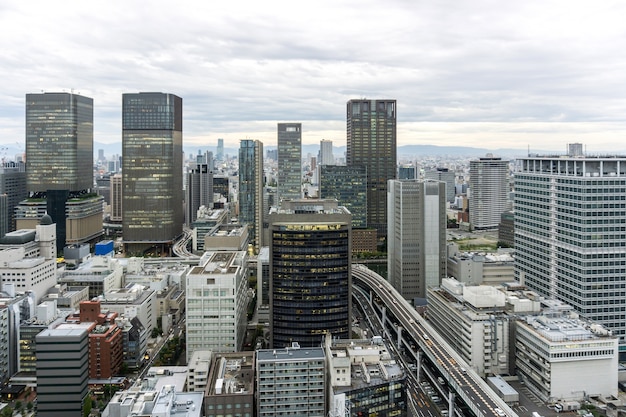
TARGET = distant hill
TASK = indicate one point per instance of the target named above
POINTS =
(111, 149)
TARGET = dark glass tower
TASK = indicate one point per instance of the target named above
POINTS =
(348, 185)
(310, 272)
(59, 167)
(152, 173)
(289, 160)
(371, 143)
(251, 189)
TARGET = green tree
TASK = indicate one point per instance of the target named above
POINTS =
(7, 412)
(19, 406)
(87, 406)
(30, 406)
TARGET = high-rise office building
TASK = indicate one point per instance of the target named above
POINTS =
(348, 185)
(116, 198)
(251, 189)
(310, 272)
(59, 167)
(152, 158)
(447, 176)
(416, 236)
(219, 154)
(63, 369)
(289, 160)
(199, 190)
(326, 152)
(570, 234)
(13, 184)
(406, 172)
(489, 189)
(371, 142)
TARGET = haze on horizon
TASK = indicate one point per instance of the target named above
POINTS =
(484, 74)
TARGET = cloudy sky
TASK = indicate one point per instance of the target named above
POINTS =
(483, 73)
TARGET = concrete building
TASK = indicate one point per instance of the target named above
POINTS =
(227, 236)
(488, 191)
(289, 160)
(416, 236)
(206, 220)
(310, 272)
(198, 369)
(474, 268)
(132, 300)
(279, 389)
(152, 171)
(116, 198)
(154, 403)
(230, 385)
(217, 300)
(66, 347)
(473, 321)
(67, 297)
(570, 234)
(364, 379)
(506, 230)
(562, 358)
(134, 340)
(28, 259)
(100, 273)
(447, 176)
(251, 180)
(326, 152)
(407, 172)
(59, 167)
(371, 143)
(14, 308)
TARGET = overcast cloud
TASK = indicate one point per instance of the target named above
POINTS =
(481, 73)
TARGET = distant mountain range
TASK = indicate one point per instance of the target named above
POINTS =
(407, 151)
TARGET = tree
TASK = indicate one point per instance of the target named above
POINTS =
(19, 406)
(7, 412)
(30, 406)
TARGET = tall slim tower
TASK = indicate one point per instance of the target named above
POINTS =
(310, 272)
(489, 188)
(416, 241)
(59, 167)
(371, 142)
(199, 190)
(219, 154)
(251, 189)
(326, 152)
(13, 184)
(289, 160)
(570, 234)
(152, 170)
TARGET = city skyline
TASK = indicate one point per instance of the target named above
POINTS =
(495, 75)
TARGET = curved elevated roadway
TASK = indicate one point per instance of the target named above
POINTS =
(465, 383)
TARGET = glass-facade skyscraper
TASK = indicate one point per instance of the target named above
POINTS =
(348, 185)
(152, 139)
(489, 190)
(371, 142)
(251, 189)
(59, 142)
(570, 234)
(310, 272)
(59, 167)
(289, 160)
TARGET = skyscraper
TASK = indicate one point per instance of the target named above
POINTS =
(199, 190)
(289, 160)
(326, 152)
(489, 188)
(219, 154)
(152, 139)
(416, 238)
(13, 184)
(447, 176)
(59, 166)
(570, 234)
(348, 185)
(371, 142)
(251, 189)
(310, 272)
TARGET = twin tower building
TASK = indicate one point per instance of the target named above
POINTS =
(59, 169)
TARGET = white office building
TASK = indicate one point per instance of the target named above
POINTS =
(570, 234)
(561, 358)
(216, 302)
(489, 189)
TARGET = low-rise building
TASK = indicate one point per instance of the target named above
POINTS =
(230, 385)
(152, 403)
(365, 378)
(479, 268)
(198, 370)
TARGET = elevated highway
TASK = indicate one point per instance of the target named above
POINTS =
(414, 332)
